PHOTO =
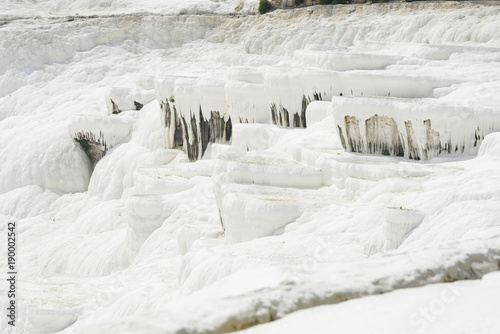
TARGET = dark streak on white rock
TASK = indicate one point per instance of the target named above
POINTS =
(382, 136)
(354, 141)
(193, 137)
(95, 147)
(283, 117)
(138, 105)
(116, 109)
(433, 141)
(413, 152)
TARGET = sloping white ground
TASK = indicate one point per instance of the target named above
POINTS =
(439, 308)
(81, 266)
(11, 8)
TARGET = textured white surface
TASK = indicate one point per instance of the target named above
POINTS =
(462, 129)
(317, 212)
(399, 222)
(89, 7)
(439, 308)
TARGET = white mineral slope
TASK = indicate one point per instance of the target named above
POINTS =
(439, 308)
(34, 130)
(254, 295)
(442, 252)
(77, 268)
(47, 8)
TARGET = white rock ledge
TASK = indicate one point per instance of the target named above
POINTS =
(253, 211)
(97, 134)
(159, 181)
(254, 169)
(415, 129)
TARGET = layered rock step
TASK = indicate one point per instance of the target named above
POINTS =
(340, 59)
(414, 129)
(62, 303)
(244, 91)
(253, 211)
(250, 137)
(159, 181)
(199, 110)
(373, 168)
(289, 91)
(195, 113)
(259, 193)
(165, 180)
(357, 174)
(159, 192)
(267, 169)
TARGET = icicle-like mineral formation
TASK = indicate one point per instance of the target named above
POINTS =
(413, 129)
(97, 134)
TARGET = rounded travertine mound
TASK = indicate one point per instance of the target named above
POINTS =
(35, 153)
(145, 214)
(490, 145)
(399, 222)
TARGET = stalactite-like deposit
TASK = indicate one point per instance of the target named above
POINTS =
(195, 136)
(382, 136)
(138, 105)
(432, 142)
(354, 141)
(413, 151)
(95, 147)
(418, 131)
(283, 117)
(116, 109)
(173, 125)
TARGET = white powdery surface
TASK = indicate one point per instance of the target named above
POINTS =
(98, 253)
(254, 296)
(439, 308)
(92, 7)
